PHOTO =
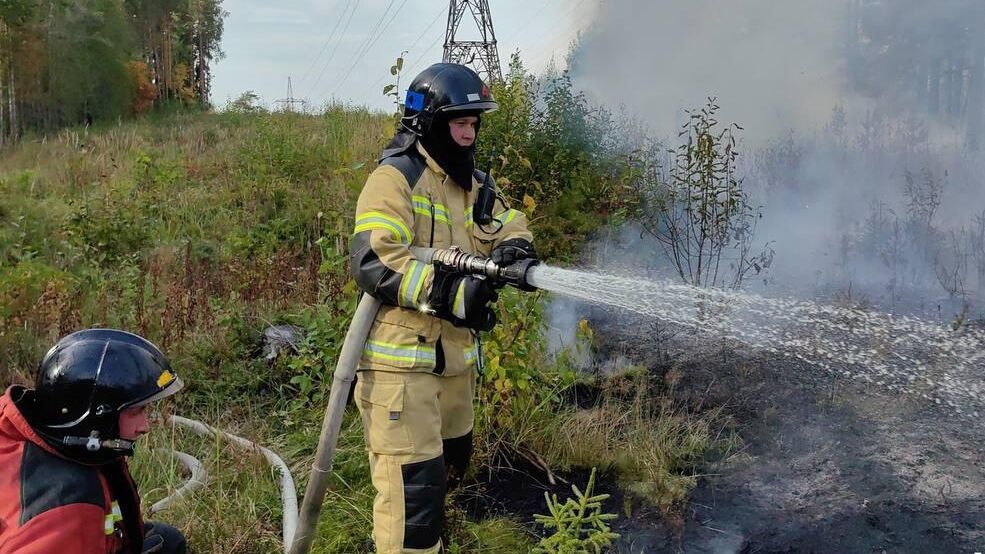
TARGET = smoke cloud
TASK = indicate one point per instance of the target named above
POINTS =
(868, 176)
(774, 65)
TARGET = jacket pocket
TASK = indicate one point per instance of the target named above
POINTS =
(382, 405)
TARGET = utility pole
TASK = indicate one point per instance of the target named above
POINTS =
(290, 101)
(482, 55)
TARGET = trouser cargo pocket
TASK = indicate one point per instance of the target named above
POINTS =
(382, 407)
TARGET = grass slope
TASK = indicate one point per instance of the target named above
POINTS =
(198, 231)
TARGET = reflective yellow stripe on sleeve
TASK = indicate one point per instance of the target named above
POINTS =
(458, 307)
(507, 216)
(377, 220)
(115, 515)
(412, 283)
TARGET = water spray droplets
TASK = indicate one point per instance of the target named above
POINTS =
(901, 354)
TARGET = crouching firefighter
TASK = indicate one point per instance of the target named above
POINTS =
(416, 377)
(65, 486)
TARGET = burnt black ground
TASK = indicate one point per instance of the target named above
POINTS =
(827, 466)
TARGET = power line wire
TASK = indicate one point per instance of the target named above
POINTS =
(372, 39)
(335, 48)
(419, 57)
(441, 12)
(527, 23)
(324, 47)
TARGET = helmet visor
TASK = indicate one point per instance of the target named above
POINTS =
(173, 387)
(481, 106)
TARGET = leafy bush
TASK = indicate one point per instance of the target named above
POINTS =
(701, 216)
(108, 231)
(556, 151)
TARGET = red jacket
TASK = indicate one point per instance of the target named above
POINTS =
(50, 504)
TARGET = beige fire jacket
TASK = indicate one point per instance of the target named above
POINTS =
(409, 201)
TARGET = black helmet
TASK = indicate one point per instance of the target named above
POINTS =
(87, 379)
(444, 88)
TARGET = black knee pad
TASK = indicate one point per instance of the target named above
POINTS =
(424, 502)
(458, 451)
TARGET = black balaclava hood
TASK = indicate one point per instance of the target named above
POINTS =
(458, 161)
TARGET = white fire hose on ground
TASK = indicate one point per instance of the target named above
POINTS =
(288, 491)
(195, 482)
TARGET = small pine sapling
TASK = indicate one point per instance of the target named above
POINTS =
(579, 524)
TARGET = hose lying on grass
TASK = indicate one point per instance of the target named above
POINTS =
(195, 482)
(288, 492)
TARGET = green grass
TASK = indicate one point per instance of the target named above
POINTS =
(200, 230)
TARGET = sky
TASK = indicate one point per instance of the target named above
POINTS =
(267, 42)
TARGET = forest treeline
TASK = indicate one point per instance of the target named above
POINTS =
(929, 55)
(66, 62)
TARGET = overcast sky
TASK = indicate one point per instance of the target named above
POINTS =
(265, 42)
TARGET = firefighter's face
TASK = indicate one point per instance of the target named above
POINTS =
(133, 423)
(463, 130)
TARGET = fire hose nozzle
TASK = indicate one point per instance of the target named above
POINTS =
(455, 259)
(517, 273)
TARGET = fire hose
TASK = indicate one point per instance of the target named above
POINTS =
(288, 491)
(196, 481)
(518, 274)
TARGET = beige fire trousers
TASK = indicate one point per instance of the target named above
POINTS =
(418, 429)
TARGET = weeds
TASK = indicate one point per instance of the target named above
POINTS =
(200, 231)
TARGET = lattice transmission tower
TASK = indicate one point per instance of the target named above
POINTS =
(290, 103)
(482, 55)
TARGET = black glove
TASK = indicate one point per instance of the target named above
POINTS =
(512, 250)
(152, 542)
(463, 300)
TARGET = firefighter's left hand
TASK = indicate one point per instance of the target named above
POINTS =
(512, 250)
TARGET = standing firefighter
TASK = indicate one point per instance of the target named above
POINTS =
(65, 486)
(417, 372)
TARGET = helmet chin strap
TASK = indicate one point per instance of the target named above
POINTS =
(93, 443)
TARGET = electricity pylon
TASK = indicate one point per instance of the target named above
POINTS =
(482, 55)
(290, 101)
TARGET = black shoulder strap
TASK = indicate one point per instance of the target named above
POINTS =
(48, 482)
(409, 163)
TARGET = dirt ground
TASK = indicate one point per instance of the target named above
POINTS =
(827, 467)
